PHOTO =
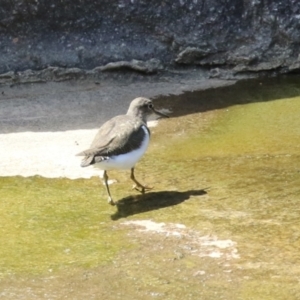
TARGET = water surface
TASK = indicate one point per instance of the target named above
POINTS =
(224, 210)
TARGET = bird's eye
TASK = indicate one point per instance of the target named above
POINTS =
(150, 105)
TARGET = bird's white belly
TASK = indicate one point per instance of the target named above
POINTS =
(127, 160)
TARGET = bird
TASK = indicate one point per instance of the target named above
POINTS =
(121, 142)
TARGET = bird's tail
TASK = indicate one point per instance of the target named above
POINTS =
(87, 161)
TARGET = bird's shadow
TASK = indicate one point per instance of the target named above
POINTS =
(152, 201)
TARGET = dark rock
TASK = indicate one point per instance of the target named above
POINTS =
(58, 74)
(148, 67)
(191, 55)
(242, 35)
(264, 66)
(215, 73)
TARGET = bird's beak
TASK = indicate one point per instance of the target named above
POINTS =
(159, 113)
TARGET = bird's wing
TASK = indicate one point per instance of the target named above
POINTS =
(120, 135)
(103, 138)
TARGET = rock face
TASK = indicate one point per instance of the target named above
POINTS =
(147, 36)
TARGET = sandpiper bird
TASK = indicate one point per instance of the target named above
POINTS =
(121, 142)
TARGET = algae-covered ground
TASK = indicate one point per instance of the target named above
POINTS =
(222, 221)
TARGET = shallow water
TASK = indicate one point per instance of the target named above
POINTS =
(224, 210)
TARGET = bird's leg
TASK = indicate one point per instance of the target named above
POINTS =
(138, 186)
(110, 200)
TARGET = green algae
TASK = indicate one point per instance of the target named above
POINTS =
(227, 164)
(49, 224)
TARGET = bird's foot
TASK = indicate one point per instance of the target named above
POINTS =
(142, 188)
(111, 201)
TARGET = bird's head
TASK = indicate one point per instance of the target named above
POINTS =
(143, 108)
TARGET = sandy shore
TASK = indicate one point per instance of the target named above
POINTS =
(48, 154)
